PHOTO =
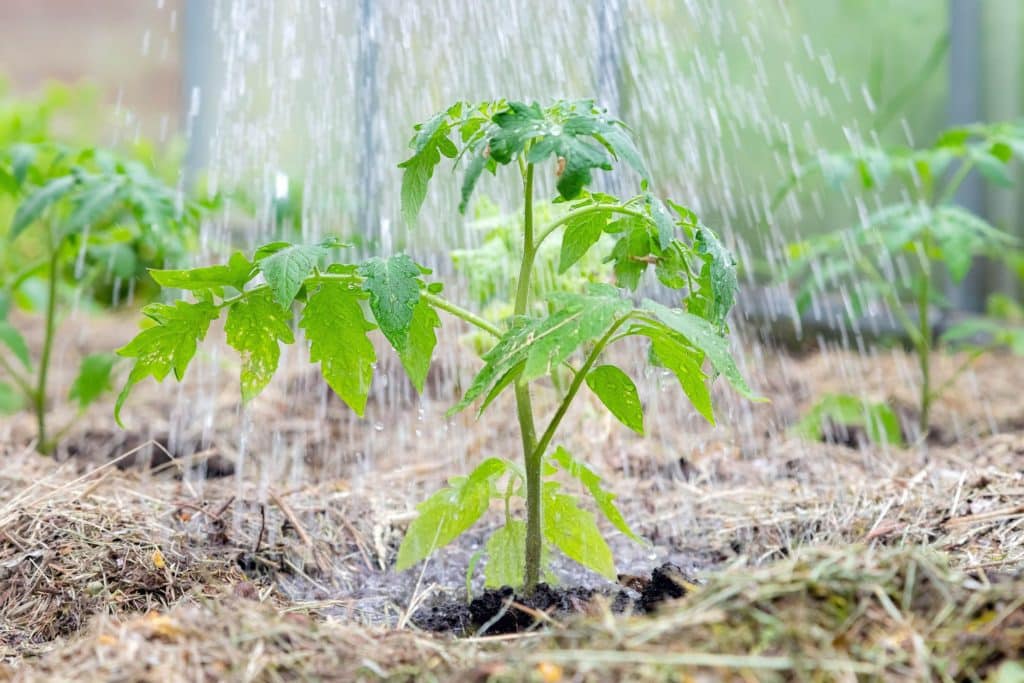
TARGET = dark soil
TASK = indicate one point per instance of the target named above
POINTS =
(501, 610)
(159, 452)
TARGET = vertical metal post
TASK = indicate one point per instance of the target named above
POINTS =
(197, 63)
(1002, 86)
(367, 203)
(608, 71)
(965, 106)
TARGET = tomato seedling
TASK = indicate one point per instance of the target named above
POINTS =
(901, 253)
(572, 330)
(87, 212)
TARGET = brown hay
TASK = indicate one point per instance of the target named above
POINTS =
(831, 614)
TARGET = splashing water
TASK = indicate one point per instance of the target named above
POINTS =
(310, 107)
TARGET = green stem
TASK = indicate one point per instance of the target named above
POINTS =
(892, 301)
(42, 444)
(954, 183)
(924, 353)
(597, 208)
(524, 406)
(461, 313)
(577, 383)
(961, 369)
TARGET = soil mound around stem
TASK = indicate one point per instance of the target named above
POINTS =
(499, 611)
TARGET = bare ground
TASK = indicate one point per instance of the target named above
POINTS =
(819, 562)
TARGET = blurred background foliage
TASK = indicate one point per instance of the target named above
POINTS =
(729, 94)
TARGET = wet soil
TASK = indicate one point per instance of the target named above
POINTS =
(499, 611)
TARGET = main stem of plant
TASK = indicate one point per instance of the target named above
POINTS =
(524, 407)
(42, 443)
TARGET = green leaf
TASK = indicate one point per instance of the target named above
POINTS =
(34, 206)
(394, 288)
(618, 393)
(11, 400)
(718, 282)
(93, 379)
(13, 340)
(287, 268)
(419, 348)
(675, 354)
(336, 329)
(255, 326)
(506, 556)
(630, 252)
(544, 343)
(168, 345)
(992, 168)
(475, 167)
(419, 168)
(574, 531)
(22, 158)
(95, 200)
(605, 499)
(237, 273)
(581, 233)
(514, 127)
(706, 338)
(449, 513)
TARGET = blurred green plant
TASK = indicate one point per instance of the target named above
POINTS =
(834, 414)
(904, 251)
(85, 212)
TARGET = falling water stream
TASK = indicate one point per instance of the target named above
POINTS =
(309, 106)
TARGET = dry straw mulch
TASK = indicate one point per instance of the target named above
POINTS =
(830, 614)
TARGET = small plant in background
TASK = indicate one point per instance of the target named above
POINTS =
(87, 214)
(904, 252)
(572, 329)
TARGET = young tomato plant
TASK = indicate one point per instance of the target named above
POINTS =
(569, 140)
(79, 209)
(902, 253)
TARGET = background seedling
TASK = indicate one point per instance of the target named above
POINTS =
(904, 252)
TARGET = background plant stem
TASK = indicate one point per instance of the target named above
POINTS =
(42, 443)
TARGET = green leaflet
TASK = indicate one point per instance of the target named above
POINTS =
(430, 142)
(879, 420)
(238, 271)
(450, 512)
(506, 553)
(541, 344)
(406, 320)
(718, 282)
(419, 349)
(574, 532)
(631, 251)
(93, 379)
(618, 393)
(255, 326)
(592, 482)
(394, 288)
(336, 329)
(169, 345)
(707, 339)
(286, 268)
(674, 353)
(581, 233)
(12, 339)
(34, 206)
